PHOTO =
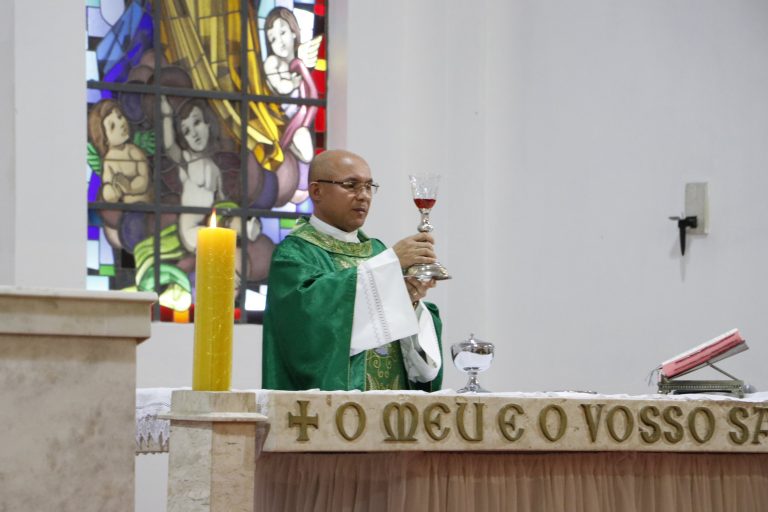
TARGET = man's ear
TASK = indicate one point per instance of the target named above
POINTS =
(314, 191)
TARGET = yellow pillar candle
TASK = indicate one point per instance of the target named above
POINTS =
(214, 308)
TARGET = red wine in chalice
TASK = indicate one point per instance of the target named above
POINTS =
(424, 203)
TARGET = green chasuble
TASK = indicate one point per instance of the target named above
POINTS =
(308, 319)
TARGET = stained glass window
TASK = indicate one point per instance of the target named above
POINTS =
(195, 105)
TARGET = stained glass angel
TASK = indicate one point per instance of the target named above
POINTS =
(287, 71)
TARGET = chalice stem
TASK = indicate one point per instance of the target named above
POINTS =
(473, 385)
(425, 226)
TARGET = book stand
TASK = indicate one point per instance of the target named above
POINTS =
(676, 386)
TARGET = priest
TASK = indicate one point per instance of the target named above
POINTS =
(340, 315)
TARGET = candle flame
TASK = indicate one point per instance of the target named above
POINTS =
(212, 223)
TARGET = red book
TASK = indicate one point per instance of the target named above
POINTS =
(718, 348)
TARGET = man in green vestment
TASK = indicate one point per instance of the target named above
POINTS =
(340, 315)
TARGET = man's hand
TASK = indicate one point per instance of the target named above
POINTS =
(417, 248)
(417, 289)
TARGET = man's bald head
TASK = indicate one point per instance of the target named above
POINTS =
(334, 163)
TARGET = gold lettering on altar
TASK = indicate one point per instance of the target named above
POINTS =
(365, 422)
(742, 435)
(677, 436)
(759, 430)
(401, 410)
(652, 436)
(302, 420)
(359, 413)
(562, 421)
(709, 422)
(593, 419)
(507, 426)
(629, 423)
(433, 423)
(478, 422)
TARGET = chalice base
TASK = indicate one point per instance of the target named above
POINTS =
(427, 271)
(473, 386)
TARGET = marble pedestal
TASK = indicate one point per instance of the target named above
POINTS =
(68, 379)
(215, 440)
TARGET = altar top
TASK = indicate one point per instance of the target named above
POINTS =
(72, 312)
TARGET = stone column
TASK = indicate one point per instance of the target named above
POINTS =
(68, 399)
(214, 443)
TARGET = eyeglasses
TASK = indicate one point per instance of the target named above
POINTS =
(354, 186)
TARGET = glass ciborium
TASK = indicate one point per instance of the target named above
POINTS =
(472, 357)
(424, 189)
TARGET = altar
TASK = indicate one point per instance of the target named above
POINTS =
(68, 374)
(445, 451)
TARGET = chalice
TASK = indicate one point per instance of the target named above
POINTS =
(472, 357)
(424, 189)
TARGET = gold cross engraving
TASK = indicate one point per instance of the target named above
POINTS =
(302, 420)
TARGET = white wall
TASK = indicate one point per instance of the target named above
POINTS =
(50, 201)
(42, 171)
(565, 133)
(7, 149)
